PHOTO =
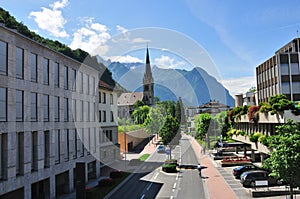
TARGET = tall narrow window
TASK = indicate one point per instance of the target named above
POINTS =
(3, 156)
(66, 86)
(57, 146)
(19, 63)
(99, 119)
(111, 116)
(33, 59)
(93, 86)
(46, 108)
(79, 82)
(46, 71)
(81, 142)
(73, 80)
(3, 58)
(3, 104)
(56, 109)
(74, 114)
(56, 74)
(66, 109)
(86, 83)
(47, 149)
(19, 153)
(104, 116)
(111, 99)
(82, 112)
(19, 105)
(99, 97)
(67, 144)
(75, 144)
(104, 98)
(34, 154)
(33, 107)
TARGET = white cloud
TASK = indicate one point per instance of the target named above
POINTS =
(91, 38)
(140, 40)
(121, 29)
(167, 62)
(239, 85)
(52, 20)
(125, 59)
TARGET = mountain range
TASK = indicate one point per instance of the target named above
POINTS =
(195, 87)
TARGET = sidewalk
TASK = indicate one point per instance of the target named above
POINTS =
(212, 178)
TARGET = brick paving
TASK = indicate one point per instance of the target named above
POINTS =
(216, 184)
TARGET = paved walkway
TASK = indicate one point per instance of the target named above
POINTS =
(216, 184)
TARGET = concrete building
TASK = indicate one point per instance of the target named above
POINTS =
(246, 99)
(213, 107)
(48, 119)
(280, 74)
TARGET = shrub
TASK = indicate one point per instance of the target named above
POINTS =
(265, 107)
(255, 136)
(264, 140)
(231, 132)
(169, 168)
(240, 132)
(106, 182)
(116, 174)
(252, 116)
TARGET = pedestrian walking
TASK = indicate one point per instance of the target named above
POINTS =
(199, 167)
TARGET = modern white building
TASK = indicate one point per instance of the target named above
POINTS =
(48, 119)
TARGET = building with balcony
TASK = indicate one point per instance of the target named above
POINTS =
(48, 119)
(246, 99)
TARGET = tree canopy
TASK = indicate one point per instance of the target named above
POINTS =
(284, 160)
(169, 129)
(202, 122)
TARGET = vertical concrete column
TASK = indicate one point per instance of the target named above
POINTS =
(236, 149)
(245, 150)
(262, 157)
(71, 180)
(27, 190)
(98, 169)
(253, 155)
(52, 186)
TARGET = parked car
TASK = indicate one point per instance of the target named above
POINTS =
(160, 149)
(241, 169)
(248, 178)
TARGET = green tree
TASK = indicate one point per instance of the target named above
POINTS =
(154, 120)
(202, 122)
(169, 129)
(179, 112)
(284, 160)
(169, 106)
(223, 125)
(139, 115)
(138, 103)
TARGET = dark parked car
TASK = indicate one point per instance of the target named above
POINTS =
(241, 169)
(249, 178)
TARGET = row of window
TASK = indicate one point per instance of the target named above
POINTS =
(67, 144)
(69, 76)
(102, 98)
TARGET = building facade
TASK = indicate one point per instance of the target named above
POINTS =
(280, 74)
(246, 99)
(48, 119)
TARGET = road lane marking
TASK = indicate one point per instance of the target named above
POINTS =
(149, 186)
(174, 186)
(155, 176)
(171, 197)
(143, 196)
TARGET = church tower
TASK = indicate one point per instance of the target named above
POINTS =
(148, 83)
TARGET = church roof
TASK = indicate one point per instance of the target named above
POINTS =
(128, 99)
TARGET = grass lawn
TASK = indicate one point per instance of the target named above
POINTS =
(101, 192)
(144, 157)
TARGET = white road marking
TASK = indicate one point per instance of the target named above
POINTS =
(171, 197)
(149, 186)
(143, 196)
(174, 186)
(155, 176)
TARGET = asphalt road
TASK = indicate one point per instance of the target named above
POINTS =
(150, 182)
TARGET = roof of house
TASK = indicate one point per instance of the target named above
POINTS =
(127, 99)
(104, 85)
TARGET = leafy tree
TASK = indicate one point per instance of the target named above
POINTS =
(280, 102)
(138, 103)
(139, 115)
(179, 112)
(223, 125)
(169, 106)
(154, 120)
(252, 89)
(284, 160)
(202, 122)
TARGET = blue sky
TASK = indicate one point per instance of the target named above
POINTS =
(235, 35)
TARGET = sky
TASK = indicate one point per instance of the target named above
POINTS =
(228, 38)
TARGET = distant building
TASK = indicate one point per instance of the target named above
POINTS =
(280, 74)
(127, 100)
(213, 107)
(246, 99)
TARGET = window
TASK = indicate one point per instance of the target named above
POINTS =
(93, 86)
(104, 98)
(46, 108)
(99, 116)
(99, 97)
(80, 82)
(81, 141)
(33, 59)
(19, 105)
(66, 86)
(47, 149)
(73, 135)
(20, 153)
(111, 99)
(284, 69)
(86, 111)
(33, 107)
(19, 63)
(73, 79)
(46, 71)
(296, 87)
(3, 58)
(92, 108)
(295, 68)
(3, 104)
(67, 144)
(74, 110)
(111, 116)
(56, 74)
(86, 83)
(66, 109)
(286, 88)
(34, 154)
(57, 146)
(82, 112)
(104, 116)
(3, 156)
(56, 109)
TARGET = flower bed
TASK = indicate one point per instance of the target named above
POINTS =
(234, 161)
